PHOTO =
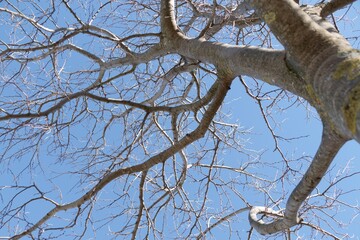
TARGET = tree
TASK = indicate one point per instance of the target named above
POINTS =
(113, 118)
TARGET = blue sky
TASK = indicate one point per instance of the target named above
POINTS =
(298, 122)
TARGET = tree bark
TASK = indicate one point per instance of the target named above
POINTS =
(325, 60)
(269, 65)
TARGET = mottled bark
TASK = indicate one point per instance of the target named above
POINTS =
(325, 60)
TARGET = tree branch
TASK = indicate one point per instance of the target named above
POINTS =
(299, 29)
(222, 89)
(268, 65)
(329, 146)
(334, 6)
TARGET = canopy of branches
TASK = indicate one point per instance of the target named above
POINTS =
(148, 119)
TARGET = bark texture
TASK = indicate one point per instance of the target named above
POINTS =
(324, 59)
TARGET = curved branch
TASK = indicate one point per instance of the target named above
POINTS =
(221, 220)
(329, 146)
(19, 14)
(51, 46)
(321, 230)
(194, 106)
(136, 58)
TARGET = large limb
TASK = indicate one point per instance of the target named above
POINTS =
(329, 146)
(303, 39)
(268, 65)
(327, 62)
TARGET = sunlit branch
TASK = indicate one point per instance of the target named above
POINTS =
(141, 205)
(137, 58)
(51, 51)
(321, 230)
(19, 14)
(194, 106)
(112, 116)
(72, 12)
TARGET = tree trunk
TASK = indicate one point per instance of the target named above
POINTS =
(323, 58)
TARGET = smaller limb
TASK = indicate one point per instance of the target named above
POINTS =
(329, 146)
(221, 88)
(221, 220)
(333, 6)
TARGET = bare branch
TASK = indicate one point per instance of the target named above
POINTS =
(222, 89)
(333, 6)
